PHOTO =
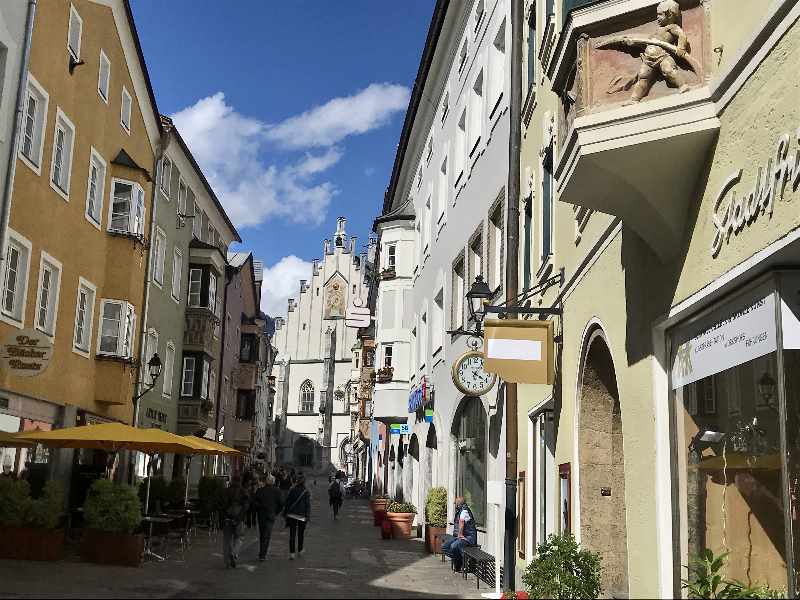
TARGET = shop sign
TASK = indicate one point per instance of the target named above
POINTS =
(734, 335)
(26, 353)
(519, 351)
(420, 396)
(732, 212)
(399, 429)
(357, 315)
(429, 415)
(156, 415)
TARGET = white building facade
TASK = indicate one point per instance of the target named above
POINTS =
(314, 366)
(443, 224)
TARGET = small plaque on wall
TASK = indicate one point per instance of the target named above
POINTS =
(605, 491)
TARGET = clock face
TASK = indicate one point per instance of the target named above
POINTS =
(469, 375)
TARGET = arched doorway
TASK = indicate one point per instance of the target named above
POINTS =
(391, 472)
(303, 452)
(602, 466)
(470, 445)
(412, 482)
(400, 471)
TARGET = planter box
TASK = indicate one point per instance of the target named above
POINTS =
(401, 524)
(24, 543)
(433, 540)
(108, 548)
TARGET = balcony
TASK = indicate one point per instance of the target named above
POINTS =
(633, 146)
(199, 333)
(195, 416)
(247, 376)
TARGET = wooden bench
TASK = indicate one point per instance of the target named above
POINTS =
(481, 564)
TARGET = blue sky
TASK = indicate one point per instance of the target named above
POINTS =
(293, 109)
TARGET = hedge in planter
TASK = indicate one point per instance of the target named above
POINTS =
(401, 516)
(28, 526)
(562, 569)
(112, 514)
(435, 518)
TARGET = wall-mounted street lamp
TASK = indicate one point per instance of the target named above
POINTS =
(767, 388)
(154, 370)
(478, 297)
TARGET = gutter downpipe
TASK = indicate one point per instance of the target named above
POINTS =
(11, 161)
(512, 283)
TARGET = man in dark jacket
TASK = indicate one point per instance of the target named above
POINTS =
(232, 514)
(268, 504)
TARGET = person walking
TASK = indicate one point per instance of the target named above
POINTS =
(297, 512)
(233, 512)
(268, 504)
(335, 497)
(285, 484)
(465, 533)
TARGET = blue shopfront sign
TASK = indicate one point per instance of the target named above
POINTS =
(420, 396)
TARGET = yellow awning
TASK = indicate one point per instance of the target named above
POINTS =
(112, 437)
(10, 440)
(211, 446)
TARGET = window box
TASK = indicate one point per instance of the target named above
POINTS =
(387, 274)
(385, 374)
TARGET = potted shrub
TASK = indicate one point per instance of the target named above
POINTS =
(435, 519)
(28, 527)
(401, 516)
(112, 514)
(562, 569)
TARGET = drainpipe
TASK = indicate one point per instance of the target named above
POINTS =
(512, 276)
(11, 159)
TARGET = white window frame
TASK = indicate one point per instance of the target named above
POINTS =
(169, 370)
(151, 347)
(159, 256)
(136, 199)
(104, 94)
(388, 356)
(497, 70)
(126, 126)
(460, 151)
(458, 287)
(212, 292)
(190, 383)
(125, 333)
(546, 259)
(443, 190)
(437, 325)
(88, 317)
(204, 380)
(74, 52)
(39, 121)
(63, 123)
(199, 292)
(166, 176)
(24, 246)
(475, 113)
(177, 274)
(197, 221)
(53, 293)
(100, 188)
(182, 199)
(391, 255)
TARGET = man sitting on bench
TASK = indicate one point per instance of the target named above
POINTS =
(465, 533)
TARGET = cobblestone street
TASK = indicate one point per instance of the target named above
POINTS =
(344, 559)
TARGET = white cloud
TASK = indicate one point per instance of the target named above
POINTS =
(339, 118)
(281, 282)
(230, 146)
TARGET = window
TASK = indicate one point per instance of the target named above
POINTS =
(497, 68)
(212, 292)
(356, 360)
(74, 36)
(457, 298)
(159, 254)
(127, 208)
(125, 110)
(532, 48)
(547, 204)
(204, 381)
(117, 328)
(248, 348)
(197, 222)
(151, 348)
(427, 228)
(565, 497)
(307, 397)
(476, 256)
(211, 233)
(445, 106)
(195, 283)
(36, 102)
(182, 192)
(469, 430)
(442, 193)
(84, 315)
(527, 242)
(61, 165)
(475, 113)
(166, 175)
(388, 353)
(212, 383)
(459, 151)
(437, 323)
(104, 76)
(15, 278)
(391, 256)
(429, 149)
(177, 273)
(495, 253)
(480, 10)
(47, 295)
(95, 188)
(423, 340)
(462, 57)
(187, 381)
(169, 368)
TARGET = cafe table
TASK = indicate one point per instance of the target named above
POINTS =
(152, 520)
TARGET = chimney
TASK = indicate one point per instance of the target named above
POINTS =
(353, 245)
(303, 286)
(326, 247)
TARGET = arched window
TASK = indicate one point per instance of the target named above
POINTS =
(469, 430)
(307, 397)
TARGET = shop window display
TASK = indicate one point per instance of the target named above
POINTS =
(470, 433)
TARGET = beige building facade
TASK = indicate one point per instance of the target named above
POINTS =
(670, 206)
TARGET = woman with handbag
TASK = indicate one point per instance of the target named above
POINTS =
(297, 511)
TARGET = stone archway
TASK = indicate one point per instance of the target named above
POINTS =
(602, 467)
(303, 454)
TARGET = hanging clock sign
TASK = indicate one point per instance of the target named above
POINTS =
(470, 377)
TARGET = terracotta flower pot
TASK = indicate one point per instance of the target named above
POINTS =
(378, 517)
(401, 524)
(433, 539)
(24, 543)
(112, 548)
